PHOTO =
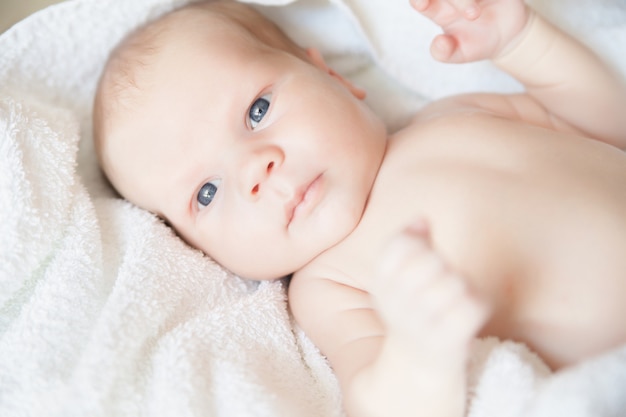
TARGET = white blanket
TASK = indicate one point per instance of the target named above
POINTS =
(105, 312)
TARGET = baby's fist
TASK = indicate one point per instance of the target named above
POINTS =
(421, 299)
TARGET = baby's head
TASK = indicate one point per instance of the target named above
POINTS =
(251, 147)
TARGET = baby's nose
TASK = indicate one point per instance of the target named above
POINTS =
(259, 168)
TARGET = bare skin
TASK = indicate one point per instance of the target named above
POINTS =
(510, 254)
(487, 215)
(508, 244)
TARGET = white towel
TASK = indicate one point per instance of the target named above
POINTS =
(105, 312)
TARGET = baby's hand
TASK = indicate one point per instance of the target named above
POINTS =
(423, 302)
(473, 29)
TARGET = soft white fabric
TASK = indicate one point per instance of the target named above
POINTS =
(105, 312)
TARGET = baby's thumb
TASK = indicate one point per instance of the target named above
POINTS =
(412, 240)
(419, 228)
(444, 48)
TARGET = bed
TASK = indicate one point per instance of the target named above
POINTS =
(105, 312)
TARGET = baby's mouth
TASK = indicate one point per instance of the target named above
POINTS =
(301, 199)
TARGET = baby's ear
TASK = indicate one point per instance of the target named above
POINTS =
(316, 58)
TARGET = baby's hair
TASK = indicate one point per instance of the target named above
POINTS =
(120, 82)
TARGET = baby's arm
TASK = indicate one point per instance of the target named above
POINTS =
(430, 318)
(402, 350)
(563, 77)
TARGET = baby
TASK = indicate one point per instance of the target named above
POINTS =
(488, 214)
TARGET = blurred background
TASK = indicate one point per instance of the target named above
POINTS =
(12, 11)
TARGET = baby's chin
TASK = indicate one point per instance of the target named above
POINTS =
(268, 264)
(266, 273)
(273, 266)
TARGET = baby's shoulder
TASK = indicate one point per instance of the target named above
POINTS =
(443, 129)
(482, 107)
(458, 126)
(320, 303)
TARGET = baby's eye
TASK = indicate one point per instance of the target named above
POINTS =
(207, 193)
(258, 110)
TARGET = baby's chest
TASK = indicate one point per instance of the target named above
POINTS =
(534, 223)
(499, 209)
(458, 201)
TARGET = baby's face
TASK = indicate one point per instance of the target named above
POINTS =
(256, 157)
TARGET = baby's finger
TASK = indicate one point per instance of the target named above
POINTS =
(413, 276)
(467, 8)
(433, 9)
(464, 321)
(403, 248)
(445, 48)
(442, 47)
(441, 296)
(420, 5)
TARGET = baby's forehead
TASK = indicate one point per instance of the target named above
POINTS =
(222, 19)
(132, 88)
(201, 25)
(133, 67)
(223, 22)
